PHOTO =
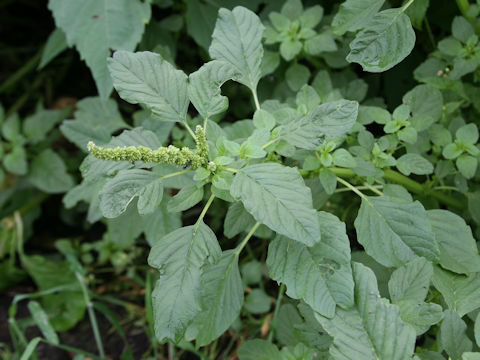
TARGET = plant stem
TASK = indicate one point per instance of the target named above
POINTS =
(375, 190)
(275, 312)
(189, 129)
(270, 143)
(204, 211)
(353, 188)
(91, 315)
(464, 5)
(406, 182)
(175, 174)
(246, 238)
(255, 99)
(405, 7)
(20, 73)
(359, 188)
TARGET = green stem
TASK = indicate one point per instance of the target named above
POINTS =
(189, 129)
(204, 211)
(20, 73)
(246, 238)
(464, 6)
(229, 169)
(275, 313)
(405, 7)
(406, 182)
(91, 315)
(374, 189)
(255, 99)
(359, 188)
(353, 188)
(270, 143)
(176, 174)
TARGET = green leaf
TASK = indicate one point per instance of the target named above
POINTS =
(296, 76)
(95, 120)
(204, 87)
(124, 230)
(188, 197)
(49, 173)
(15, 162)
(56, 44)
(276, 196)
(237, 40)
(324, 42)
(237, 220)
(452, 151)
(41, 320)
(458, 249)
(462, 29)
(36, 126)
(471, 356)
(263, 120)
(145, 78)
(372, 329)
(477, 329)
(411, 281)
(321, 274)
(354, 15)
(64, 308)
(179, 256)
(119, 191)
(258, 350)
(222, 297)
(461, 293)
(453, 337)
(414, 163)
(289, 48)
(200, 20)
(311, 17)
(97, 27)
(394, 232)
(387, 39)
(343, 158)
(332, 119)
(30, 348)
(159, 223)
(425, 101)
(417, 11)
(328, 180)
(257, 302)
(467, 134)
(420, 315)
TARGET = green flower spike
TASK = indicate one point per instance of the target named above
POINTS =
(163, 155)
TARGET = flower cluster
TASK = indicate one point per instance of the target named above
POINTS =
(164, 155)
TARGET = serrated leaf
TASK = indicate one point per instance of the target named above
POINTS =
(179, 257)
(204, 87)
(333, 119)
(372, 329)
(386, 40)
(237, 40)
(411, 281)
(458, 249)
(394, 232)
(321, 274)
(119, 191)
(49, 173)
(354, 15)
(453, 337)
(461, 293)
(222, 297)
(96, 27)
(145, 78)
(276, 196)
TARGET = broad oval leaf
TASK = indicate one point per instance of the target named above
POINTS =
(204, 87)
(119, 191)
(332, 119)
(320, 275)
(411, 281)
(277, 196)
(48, 173)
(458, 249)
(179, 256)
(222, 297)
(387, 39)
(372, 329)
(146, 78)
(96, 27)
(237, 40)
(354, 15)
(395, 232)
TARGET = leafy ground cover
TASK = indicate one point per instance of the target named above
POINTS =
(240, 180)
